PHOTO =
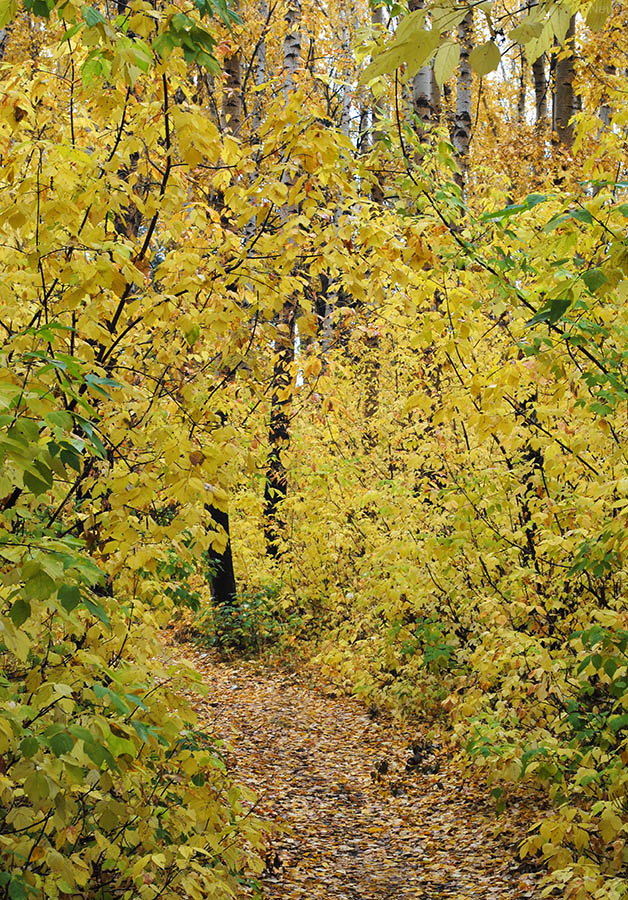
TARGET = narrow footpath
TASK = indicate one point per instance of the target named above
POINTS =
(363, 816)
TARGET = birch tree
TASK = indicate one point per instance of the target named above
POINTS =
(461, 138)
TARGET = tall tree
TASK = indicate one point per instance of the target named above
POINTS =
(291, 45)
(221, 569)
(521, 94)
(425, 90)
(462, 119)
(232, 88)
(377, 112)
(564, 98)
(540, 88)
(276, 486)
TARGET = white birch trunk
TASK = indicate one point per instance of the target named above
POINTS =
(260, 70)
(292, 45)
(4, 40)
(461, 138)
(425, 90)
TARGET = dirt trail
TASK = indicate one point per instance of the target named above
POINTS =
(361, 826)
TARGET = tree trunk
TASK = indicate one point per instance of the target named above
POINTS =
(4, 40)
(462, 121)
(260, 70)
(223, 582)
(232, 90)
(436, 109)
(292, 45)
(377, 112)
(425, 96)
(363, 132)
(521, 99)
(371, 391)
(425, 90)
(276, 487)
(563, 90)
(605, 110)
(540, 88)
(347, 94)
(372, 363)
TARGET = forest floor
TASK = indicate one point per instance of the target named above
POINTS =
(360, 816)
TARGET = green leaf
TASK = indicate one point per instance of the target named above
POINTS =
(61, 743)
(38, 478)
(116, 700)
(41, 8)
(80, 733)
(582, 215)
(528, 203)
(594, 279)
(99, 755)
(20, 612)
(70, 597)
(192, 335)
(69, 34)
(17, 888)
(485, 58)
(141, 730)
(36, 787)
(92, 68)
(39, 586)
(60, 418)
(97, 610)
(610, 667)
(551, 313)
(29, 747)
(69, 457)
(218, 8)
(616, 723)
(92, 16)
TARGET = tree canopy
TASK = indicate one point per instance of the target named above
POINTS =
(312, 339)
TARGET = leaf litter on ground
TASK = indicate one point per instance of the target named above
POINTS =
(363, 807)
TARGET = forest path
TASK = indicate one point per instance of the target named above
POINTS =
(351, 832)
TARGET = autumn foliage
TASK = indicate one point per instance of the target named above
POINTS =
(260, 308)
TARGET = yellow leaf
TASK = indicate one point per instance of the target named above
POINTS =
(598, 14)
(445, 62)
(485, 58)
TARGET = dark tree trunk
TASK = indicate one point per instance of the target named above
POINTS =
(223, 582)
(232, 89)
(540, 88)
(371, 392)
(521, 99)
(564, 100)
(279, 433)
(377, 112)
